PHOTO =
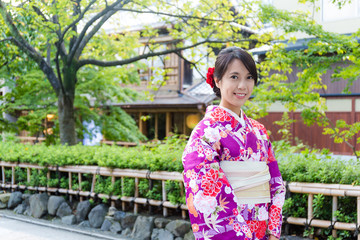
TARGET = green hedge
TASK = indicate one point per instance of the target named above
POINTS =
(306, 166)
(318, 167)
(295, 167)
(162, 157)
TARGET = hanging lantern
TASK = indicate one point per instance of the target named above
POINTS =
(192, 120)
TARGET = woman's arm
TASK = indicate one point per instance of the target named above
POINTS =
(209, 196)
(277, 193)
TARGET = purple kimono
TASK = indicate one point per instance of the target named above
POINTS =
(213, 207)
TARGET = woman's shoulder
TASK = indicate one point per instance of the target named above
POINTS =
(258, 125)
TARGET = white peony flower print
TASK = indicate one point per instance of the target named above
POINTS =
(212, 134)
(279, 200)
(228, 190)
(240, 218)
(263, 214)
(205, 204)
(192, 183)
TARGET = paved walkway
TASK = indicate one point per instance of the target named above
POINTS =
(15, 227)
(15, 230)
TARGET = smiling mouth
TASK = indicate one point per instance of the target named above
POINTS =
(240, 94)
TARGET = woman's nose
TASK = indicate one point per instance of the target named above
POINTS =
(242, 84)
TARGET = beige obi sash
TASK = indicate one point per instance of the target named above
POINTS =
(250, 180)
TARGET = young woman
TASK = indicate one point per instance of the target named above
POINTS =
(234, 189)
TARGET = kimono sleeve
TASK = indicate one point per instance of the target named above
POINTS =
(277, 193)
(210, 199)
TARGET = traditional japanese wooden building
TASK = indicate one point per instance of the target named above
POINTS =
(340, 105)
(176, 107)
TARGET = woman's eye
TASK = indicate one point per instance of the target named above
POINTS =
(234, 77)
(250, 77)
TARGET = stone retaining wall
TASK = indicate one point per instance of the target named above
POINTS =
(101, 216)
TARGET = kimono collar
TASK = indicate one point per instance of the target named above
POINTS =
(225, 115)
(238, 118)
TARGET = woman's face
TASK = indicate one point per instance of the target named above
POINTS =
(235, 86)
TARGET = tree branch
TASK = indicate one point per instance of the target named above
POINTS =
(20, 42)
(80, 17)
(174, 15)
(88, 25)
(6, 39)
(144, 56)
(38, 12)
(93, 31)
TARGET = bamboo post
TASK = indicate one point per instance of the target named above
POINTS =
(183, 212)
(28, 173)
(12, 176)
(334, 209)
(122, 193)
(70, 185)
(3, 174)
(80, 188)
(310, 210)
(113, 184)
(93, 183)
(358, 215)
(48, 178)
(310, 207)
(165, 211)
(136, 206)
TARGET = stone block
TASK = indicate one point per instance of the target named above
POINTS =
(85, 224)
(128, 221)
(4, 198)
(20, 209)
(97, 215)
(143, 228)
(15, 199)
(189, 236)
(69, 220)
(178, 227)
(161, 234)
(38, 205)
(54, 203)
(115, 227)
(106, 225)
(63, 210)
(82, 210)
(161, 222)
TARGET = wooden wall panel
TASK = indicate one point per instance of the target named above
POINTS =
(310, 135)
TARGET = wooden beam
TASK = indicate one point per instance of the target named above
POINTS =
(168, 123)
(322, 223)
(163, 110)
(156, 126)
(141, 124)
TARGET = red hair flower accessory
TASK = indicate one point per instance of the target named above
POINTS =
(210, 77)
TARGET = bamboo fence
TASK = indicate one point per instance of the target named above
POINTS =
(101, 171)
(334, 190)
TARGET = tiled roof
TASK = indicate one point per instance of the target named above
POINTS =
(199, 94)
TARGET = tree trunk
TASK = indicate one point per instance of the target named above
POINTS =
(66, 119)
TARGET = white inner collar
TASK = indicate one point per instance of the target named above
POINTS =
(237, 117)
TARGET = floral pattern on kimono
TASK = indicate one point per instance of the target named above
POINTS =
(214, 210)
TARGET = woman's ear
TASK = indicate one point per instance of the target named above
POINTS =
(217, 82)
